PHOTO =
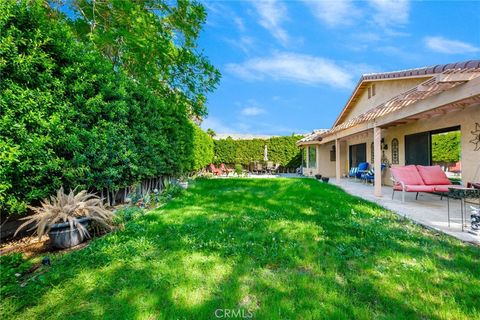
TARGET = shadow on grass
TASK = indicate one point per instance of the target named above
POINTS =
(280, 248)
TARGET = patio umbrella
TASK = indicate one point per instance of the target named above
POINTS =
(265, 153)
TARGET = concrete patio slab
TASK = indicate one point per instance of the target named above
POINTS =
(428, 210)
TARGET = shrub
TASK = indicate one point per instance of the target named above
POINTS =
(238, 169)
(68, 208)
(127, 214)
(282, 150)
(68, 118)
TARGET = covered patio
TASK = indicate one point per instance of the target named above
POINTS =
(428, 210)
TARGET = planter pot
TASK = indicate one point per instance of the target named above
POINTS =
(318, 176)
(183, 184)
(62, 236)
(325, 179)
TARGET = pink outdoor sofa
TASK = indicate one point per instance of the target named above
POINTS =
(419, 179)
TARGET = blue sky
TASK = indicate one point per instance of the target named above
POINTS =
(290, 66)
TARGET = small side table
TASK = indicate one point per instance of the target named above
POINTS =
(461, 193)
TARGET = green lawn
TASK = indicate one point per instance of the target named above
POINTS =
(276, 248)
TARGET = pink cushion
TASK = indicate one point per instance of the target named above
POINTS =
(445, 188)
(408, 175)
(417, 188)
(433, 175)
(441, 188)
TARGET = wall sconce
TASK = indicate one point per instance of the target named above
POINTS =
(383, 144)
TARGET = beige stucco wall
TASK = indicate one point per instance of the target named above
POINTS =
(324, 166)
(384, 91)
(466, 119)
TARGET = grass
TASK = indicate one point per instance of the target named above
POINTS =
(273, 249)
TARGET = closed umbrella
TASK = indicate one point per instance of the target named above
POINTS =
(265, 153)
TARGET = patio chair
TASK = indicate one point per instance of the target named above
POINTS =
(270, 166)
(225, 170)
(353, 172)
(370, 174)
(275, 168)
(362, 168)
(259, 168)
(356, 172)
(251, 167)
(215, 170)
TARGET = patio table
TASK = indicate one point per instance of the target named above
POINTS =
(461, 193)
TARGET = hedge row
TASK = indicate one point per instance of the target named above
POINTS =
(282, 150)
(68, 118)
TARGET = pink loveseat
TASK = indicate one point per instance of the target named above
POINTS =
(419, 179)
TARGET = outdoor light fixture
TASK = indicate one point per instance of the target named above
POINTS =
(383, 144)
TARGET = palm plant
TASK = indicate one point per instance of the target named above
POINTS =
(65, 208)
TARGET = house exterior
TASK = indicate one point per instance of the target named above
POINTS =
(391, 117)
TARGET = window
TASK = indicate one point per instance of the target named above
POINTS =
(372, 153)
(371, 91)
(395, 159)
(304, 157)
(312, 157)
(333, 155)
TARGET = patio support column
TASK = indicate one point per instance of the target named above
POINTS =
(307, 156)
(337, 161)
(317, 150)
(377, 157)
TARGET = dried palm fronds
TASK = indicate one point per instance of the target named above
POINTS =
(68, 208)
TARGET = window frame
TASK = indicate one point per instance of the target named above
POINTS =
(310, 164)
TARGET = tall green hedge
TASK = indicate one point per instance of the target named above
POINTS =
(282, 150)
(202, 149)
(68, 118)
(446, 147)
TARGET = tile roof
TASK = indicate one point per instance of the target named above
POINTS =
(439, 68)
(416, 72)
(444, 81)
(312, 136)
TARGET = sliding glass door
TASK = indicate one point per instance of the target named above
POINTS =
(417, 149)
(357, 153)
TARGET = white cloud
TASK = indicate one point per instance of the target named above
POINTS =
(334, 13)
(388, 13)
(293, 67)
(443, 45)
(239, 23)
(385, 16)
(252, 111)
(272, 13)
(244, 43)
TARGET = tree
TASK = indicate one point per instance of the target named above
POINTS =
(68, 118)
(154, 41)
(211, 133)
